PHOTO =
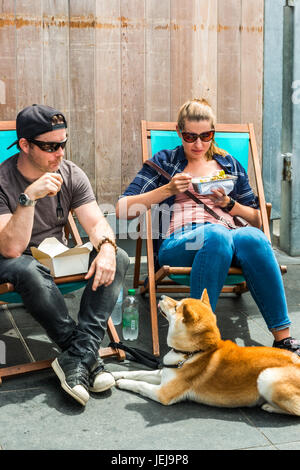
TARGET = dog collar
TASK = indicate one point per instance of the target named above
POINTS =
(179, 364)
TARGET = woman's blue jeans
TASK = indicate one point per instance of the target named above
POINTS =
(210, 249)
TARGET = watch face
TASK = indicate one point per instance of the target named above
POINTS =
(23, 199)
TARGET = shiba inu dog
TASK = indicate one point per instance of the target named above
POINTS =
(201, 367)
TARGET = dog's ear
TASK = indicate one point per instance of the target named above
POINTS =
(205, 298)
(188, 313)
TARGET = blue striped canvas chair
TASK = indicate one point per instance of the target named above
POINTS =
(66, 284)
(239, 141)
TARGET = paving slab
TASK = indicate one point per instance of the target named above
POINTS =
(35, 413)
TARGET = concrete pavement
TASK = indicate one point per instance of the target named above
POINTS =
(35, 413)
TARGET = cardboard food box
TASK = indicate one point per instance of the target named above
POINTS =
(61, 260)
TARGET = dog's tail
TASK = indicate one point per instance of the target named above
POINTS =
(280, 387)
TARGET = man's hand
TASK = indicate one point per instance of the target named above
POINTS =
(16, 229)
(103, 267)
(47, 185)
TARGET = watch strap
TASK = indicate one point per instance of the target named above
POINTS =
(230, 205)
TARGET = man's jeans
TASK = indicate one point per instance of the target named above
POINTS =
(44, 301)
(210, 249)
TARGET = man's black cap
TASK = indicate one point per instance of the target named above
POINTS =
(35, 120)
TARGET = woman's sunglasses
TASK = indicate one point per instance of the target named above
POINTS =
(204, 136)
(49, 147)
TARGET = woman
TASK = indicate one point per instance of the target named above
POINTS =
(193, 237)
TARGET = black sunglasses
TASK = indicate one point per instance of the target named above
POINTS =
(49, 147)
(204, 136)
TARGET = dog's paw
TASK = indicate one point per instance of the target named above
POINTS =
(124, 384)
(118, 375)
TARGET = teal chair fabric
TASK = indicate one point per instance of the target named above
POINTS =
(235, 143)
(14, 298)
(6, 139)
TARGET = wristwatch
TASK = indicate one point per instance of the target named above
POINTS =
(230, 205)
(25, 200)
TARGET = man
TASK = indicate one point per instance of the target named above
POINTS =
(37, 190)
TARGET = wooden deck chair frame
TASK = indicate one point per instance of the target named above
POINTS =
(5, 288)
(158, 282)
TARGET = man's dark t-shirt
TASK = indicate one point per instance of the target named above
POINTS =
(75, 191)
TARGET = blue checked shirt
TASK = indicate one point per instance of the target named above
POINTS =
(174, 161)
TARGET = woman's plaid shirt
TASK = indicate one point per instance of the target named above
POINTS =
(174, 161)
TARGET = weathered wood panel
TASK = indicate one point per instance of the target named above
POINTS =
(108, 64)
(55, 44)
(82, 85)
(157, 60)
(108, 104)
(205, 46)
(29, 52)
(229, 61)
(194, 52)
(182, 56)
(132, 84)
(8, 61)
(252, 73)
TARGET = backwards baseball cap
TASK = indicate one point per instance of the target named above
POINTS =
(35, 120)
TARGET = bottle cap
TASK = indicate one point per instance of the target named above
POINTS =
(131, 291)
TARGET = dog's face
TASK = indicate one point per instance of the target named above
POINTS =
(192, 323)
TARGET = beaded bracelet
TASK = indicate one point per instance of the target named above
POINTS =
(107, 240)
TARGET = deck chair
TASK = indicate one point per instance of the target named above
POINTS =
(239, 141)
(66, 284)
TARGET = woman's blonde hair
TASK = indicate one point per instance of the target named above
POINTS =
(200, 110)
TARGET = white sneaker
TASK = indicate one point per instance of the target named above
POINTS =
(100, 379)
(73, 376)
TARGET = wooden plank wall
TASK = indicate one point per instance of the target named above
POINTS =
(107, 64)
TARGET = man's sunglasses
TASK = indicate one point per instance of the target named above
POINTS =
(49, 147)
(204, 136)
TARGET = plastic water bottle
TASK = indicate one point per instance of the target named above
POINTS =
(130, 316)
(116, 315)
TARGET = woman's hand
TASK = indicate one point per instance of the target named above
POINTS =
(251, 215)
(219, 198)
(179, 183)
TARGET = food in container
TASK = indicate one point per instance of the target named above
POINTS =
(204, 184)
